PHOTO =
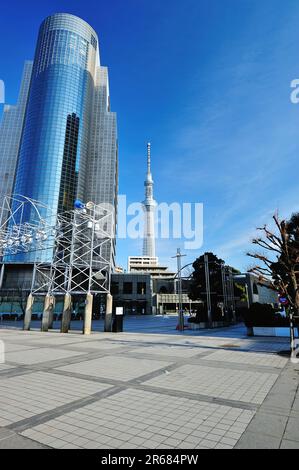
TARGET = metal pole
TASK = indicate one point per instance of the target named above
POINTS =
(231, 283)
(91, 250)
(208, 290)
(181, 316)
(179, 256)
(292, 336)
(247, 295)
(224, 287)
(87, 324)
(2, 275)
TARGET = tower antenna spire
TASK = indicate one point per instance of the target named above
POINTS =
(149, 157)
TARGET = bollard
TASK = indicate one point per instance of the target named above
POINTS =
(88, 315)
(66, 314)
(28, 312)
(48, 312)
(108, 316)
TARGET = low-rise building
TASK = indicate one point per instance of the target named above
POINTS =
(150, 265)
(133, 292)
(143, 294)
(257, 290)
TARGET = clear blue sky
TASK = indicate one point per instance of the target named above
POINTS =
(208, 83)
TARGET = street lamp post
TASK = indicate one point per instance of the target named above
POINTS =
(179, 256)
(208, 288)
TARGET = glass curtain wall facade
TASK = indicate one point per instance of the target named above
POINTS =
(10, 134)
(62, 154)
(102, 175)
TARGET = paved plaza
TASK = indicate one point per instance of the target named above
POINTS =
(150, 387)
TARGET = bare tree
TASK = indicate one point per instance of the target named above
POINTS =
(279, 260)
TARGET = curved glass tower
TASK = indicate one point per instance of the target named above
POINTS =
(59, 121)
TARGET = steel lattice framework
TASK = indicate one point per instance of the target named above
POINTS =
(17, 235)
(80, 240)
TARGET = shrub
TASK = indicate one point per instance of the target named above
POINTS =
(264, 315)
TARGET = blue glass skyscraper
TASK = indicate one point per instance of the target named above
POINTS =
(59, 133)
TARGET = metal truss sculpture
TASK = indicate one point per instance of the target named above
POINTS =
(17, 235)
(80, 241)
(82, 254)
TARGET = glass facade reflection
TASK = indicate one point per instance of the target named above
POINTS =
(10, 135)
(61, 141)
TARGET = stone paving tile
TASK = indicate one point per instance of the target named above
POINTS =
(250, 387)
(251, 358)
(54, 339)
(98, 345)
(15, 441)
(141, 418)
(209, 343)
(292, 430)
(169, 350)
(4, 367)
(251, 440)
(287, 444)
(270, 346)
(36, 356)
(269, 424)
(28, 395)
(148, 420)
(11, 347)
(116, 367)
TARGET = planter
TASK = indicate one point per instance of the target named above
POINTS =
(271, 331)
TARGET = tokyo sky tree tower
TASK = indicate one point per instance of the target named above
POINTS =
(149, 205)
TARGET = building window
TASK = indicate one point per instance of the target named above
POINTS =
(69, 177)
(128, 287)
(255, 289)
(93, 41)
(163, 290)
(141, 288)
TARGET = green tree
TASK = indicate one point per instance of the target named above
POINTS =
(198, 289)
(198, 279)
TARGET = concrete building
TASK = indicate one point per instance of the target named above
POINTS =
(133, 292)
(59, 143)
(143, 294)
(149, 265)
(257, 291)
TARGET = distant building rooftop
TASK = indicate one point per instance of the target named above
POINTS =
(147, 264)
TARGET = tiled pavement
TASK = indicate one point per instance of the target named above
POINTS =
(213, 390)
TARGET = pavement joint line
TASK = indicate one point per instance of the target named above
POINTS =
(199, 397)
(285, 377)
(7, 436)
(134, 384)
(84, 357)
(210, 363)
(33, 344)
(42, 418)
(15, 372)
(48, 365)
(125, 352)
(212, 349)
